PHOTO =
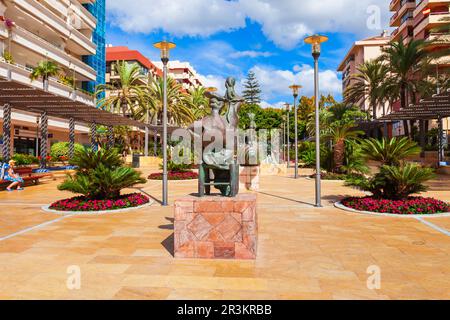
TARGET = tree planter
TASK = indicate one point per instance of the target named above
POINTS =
(82, 205)
(184, 175)
(249, 177)
(410, 207)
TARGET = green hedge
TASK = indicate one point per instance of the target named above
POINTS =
(24, 159)
(61, 149)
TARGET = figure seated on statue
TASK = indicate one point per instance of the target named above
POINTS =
(219, 167)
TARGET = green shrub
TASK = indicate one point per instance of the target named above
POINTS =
(396, 179)
(308, 157)
(100, 175)
(394, 182)
(174, 167)
(24, 159)
(8, 57)
(389, 152)
(61, 149)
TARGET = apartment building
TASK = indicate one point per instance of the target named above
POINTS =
(183, 73)
(66, 32)
(122, 53)
(422, 19)
(362, 51)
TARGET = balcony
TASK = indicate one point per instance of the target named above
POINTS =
(78, 42)
(45, 49)
(429, 4)
(80, 16)
(400, 30)
(404, 8)
(393, 4)
(433, 20)
(21, 74)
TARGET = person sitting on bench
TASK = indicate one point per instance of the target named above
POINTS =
(10, 175)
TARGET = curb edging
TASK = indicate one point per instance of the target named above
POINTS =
(46, 208)
(339, 205)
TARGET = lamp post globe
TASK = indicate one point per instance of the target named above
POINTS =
(165, 47)
(295, 89)
(315, 41)
(287, 105)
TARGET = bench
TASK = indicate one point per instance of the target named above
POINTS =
(28, 177)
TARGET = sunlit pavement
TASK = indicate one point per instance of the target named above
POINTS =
(303, 252)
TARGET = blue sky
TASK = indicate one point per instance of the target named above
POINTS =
(228, 38)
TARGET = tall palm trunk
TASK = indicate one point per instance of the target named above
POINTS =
(374, 117)
(45, 83)
(124, 106)
(338, 155)
(403, 105)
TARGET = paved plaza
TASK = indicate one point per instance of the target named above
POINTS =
(303, 252)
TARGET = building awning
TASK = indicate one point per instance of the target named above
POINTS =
(27, 98)
(438, 106)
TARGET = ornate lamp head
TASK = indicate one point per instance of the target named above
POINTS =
(295, 88)
(315, 41)
(164, 47)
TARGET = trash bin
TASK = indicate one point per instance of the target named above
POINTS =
(136, 162)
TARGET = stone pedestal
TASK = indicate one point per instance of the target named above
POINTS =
(249, 178)
(216, 227)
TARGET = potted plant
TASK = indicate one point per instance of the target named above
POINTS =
(45, 69)
(396, 181)
(100, 176)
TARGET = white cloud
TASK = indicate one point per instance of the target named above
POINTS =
(285, 22)
(251, 54)
(275, 83)
(276, 105)
(178, 17)
(213, 81)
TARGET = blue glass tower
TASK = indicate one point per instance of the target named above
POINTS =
(97, 61)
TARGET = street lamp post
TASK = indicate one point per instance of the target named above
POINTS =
(315, 41)
(288, 137)
(164, 47)
(295, 89)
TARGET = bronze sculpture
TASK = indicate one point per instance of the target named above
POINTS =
(219, 166)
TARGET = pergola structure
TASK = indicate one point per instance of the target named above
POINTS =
(22, 97)
(435, 108)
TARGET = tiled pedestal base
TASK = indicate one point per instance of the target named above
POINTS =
(249, 178)
(216, 227)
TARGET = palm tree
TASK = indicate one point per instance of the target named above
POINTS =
(45, 69)
(325, 119)
(406, 64)
(389, 151)
(368, 84)
(178, 111)
(198, 102)
(125, 93)
(338, 135)
(344, 112)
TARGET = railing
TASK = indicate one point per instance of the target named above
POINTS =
(72, 58)
(28, 69)
(59, 21)
(438, 13)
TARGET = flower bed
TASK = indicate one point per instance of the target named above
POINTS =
(411, 205)
(175, 175)
(82, 204)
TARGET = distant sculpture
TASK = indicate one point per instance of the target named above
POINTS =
(251, 144)
(219, 167)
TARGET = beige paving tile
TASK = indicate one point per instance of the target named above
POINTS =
(303, 252)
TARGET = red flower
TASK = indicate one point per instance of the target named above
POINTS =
(411, 205)
(9, 23)
(83, 204)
